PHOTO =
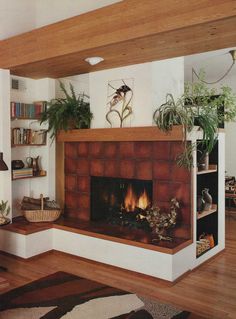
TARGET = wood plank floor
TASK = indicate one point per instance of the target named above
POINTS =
(209, 291)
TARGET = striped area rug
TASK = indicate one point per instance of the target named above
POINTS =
(67, 296)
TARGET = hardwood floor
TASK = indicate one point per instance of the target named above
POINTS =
(208, 291)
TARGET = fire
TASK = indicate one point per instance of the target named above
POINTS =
(143, 201)
(131, 201)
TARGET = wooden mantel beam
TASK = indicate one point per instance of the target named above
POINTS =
(130, 31)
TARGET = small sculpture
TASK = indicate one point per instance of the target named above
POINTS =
(159, 222)
(120, 104)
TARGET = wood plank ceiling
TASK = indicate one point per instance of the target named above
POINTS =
(128, 32)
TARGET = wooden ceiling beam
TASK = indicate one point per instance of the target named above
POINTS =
(128, 32)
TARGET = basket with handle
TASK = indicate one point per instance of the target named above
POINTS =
(42, 215)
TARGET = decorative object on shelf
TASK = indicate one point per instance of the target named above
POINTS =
(17, 164)
(203, 163)
(22, 173)
(33, 162)
(40, 210)
(70, 112)
(120, 95)
(200, 203)
(160, 222)
(203, 245)
(200, 106)
(3, 165)
(4, 211)
(207, 199)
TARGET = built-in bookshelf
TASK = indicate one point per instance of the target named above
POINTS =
(27, 110)
(207, 219)
(26, 136)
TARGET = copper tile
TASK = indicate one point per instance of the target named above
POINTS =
(126, 149)
(70, 150)
(70, 165)
(71, 182)
(144, 170)
(110, 149)
(127, 168)
(83, 184)
(161, 150)
(96, 149)
(143, 149)
(82, 166)
(161, 170)
(111, 168)
(97, 167)
(82, 149)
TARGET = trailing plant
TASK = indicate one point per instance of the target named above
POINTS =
(201, 106)
(69, 112)
(4, 211)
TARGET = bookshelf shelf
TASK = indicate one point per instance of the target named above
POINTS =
(205, 213)
(19, 145)
(25, 118)
(212, 169)
(27, 177)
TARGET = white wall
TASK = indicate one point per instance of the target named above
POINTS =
(16, 16)
(152, 81)
(5, 142)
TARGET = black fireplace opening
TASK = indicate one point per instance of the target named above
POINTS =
(120, 201)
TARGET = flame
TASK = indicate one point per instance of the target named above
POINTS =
(143, 201)
(131, 201)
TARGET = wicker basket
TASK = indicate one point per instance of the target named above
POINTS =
(41, 215)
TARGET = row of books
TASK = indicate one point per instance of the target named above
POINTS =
(27, 111)
(22, 172)
(25, 136)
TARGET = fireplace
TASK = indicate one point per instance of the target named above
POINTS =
(120, 201)
(100, 175)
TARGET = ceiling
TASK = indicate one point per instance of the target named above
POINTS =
(124, 33)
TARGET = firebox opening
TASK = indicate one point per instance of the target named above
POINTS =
(119, 200)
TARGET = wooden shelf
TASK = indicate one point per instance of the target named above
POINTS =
(205, 213)
(212, 169)
(26, 177)
(25, 118)
(19, 145)
(148, 133)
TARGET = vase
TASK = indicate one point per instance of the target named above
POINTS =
(207, 198)
(203, 163)
(200, 203)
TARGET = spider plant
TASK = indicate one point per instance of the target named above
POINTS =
(200, 106)
(69, 112)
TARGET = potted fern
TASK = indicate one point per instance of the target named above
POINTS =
(69, 112)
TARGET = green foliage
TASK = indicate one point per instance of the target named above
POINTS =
(172, 113)
(67, 113)
(4, 208)
(201, 106)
